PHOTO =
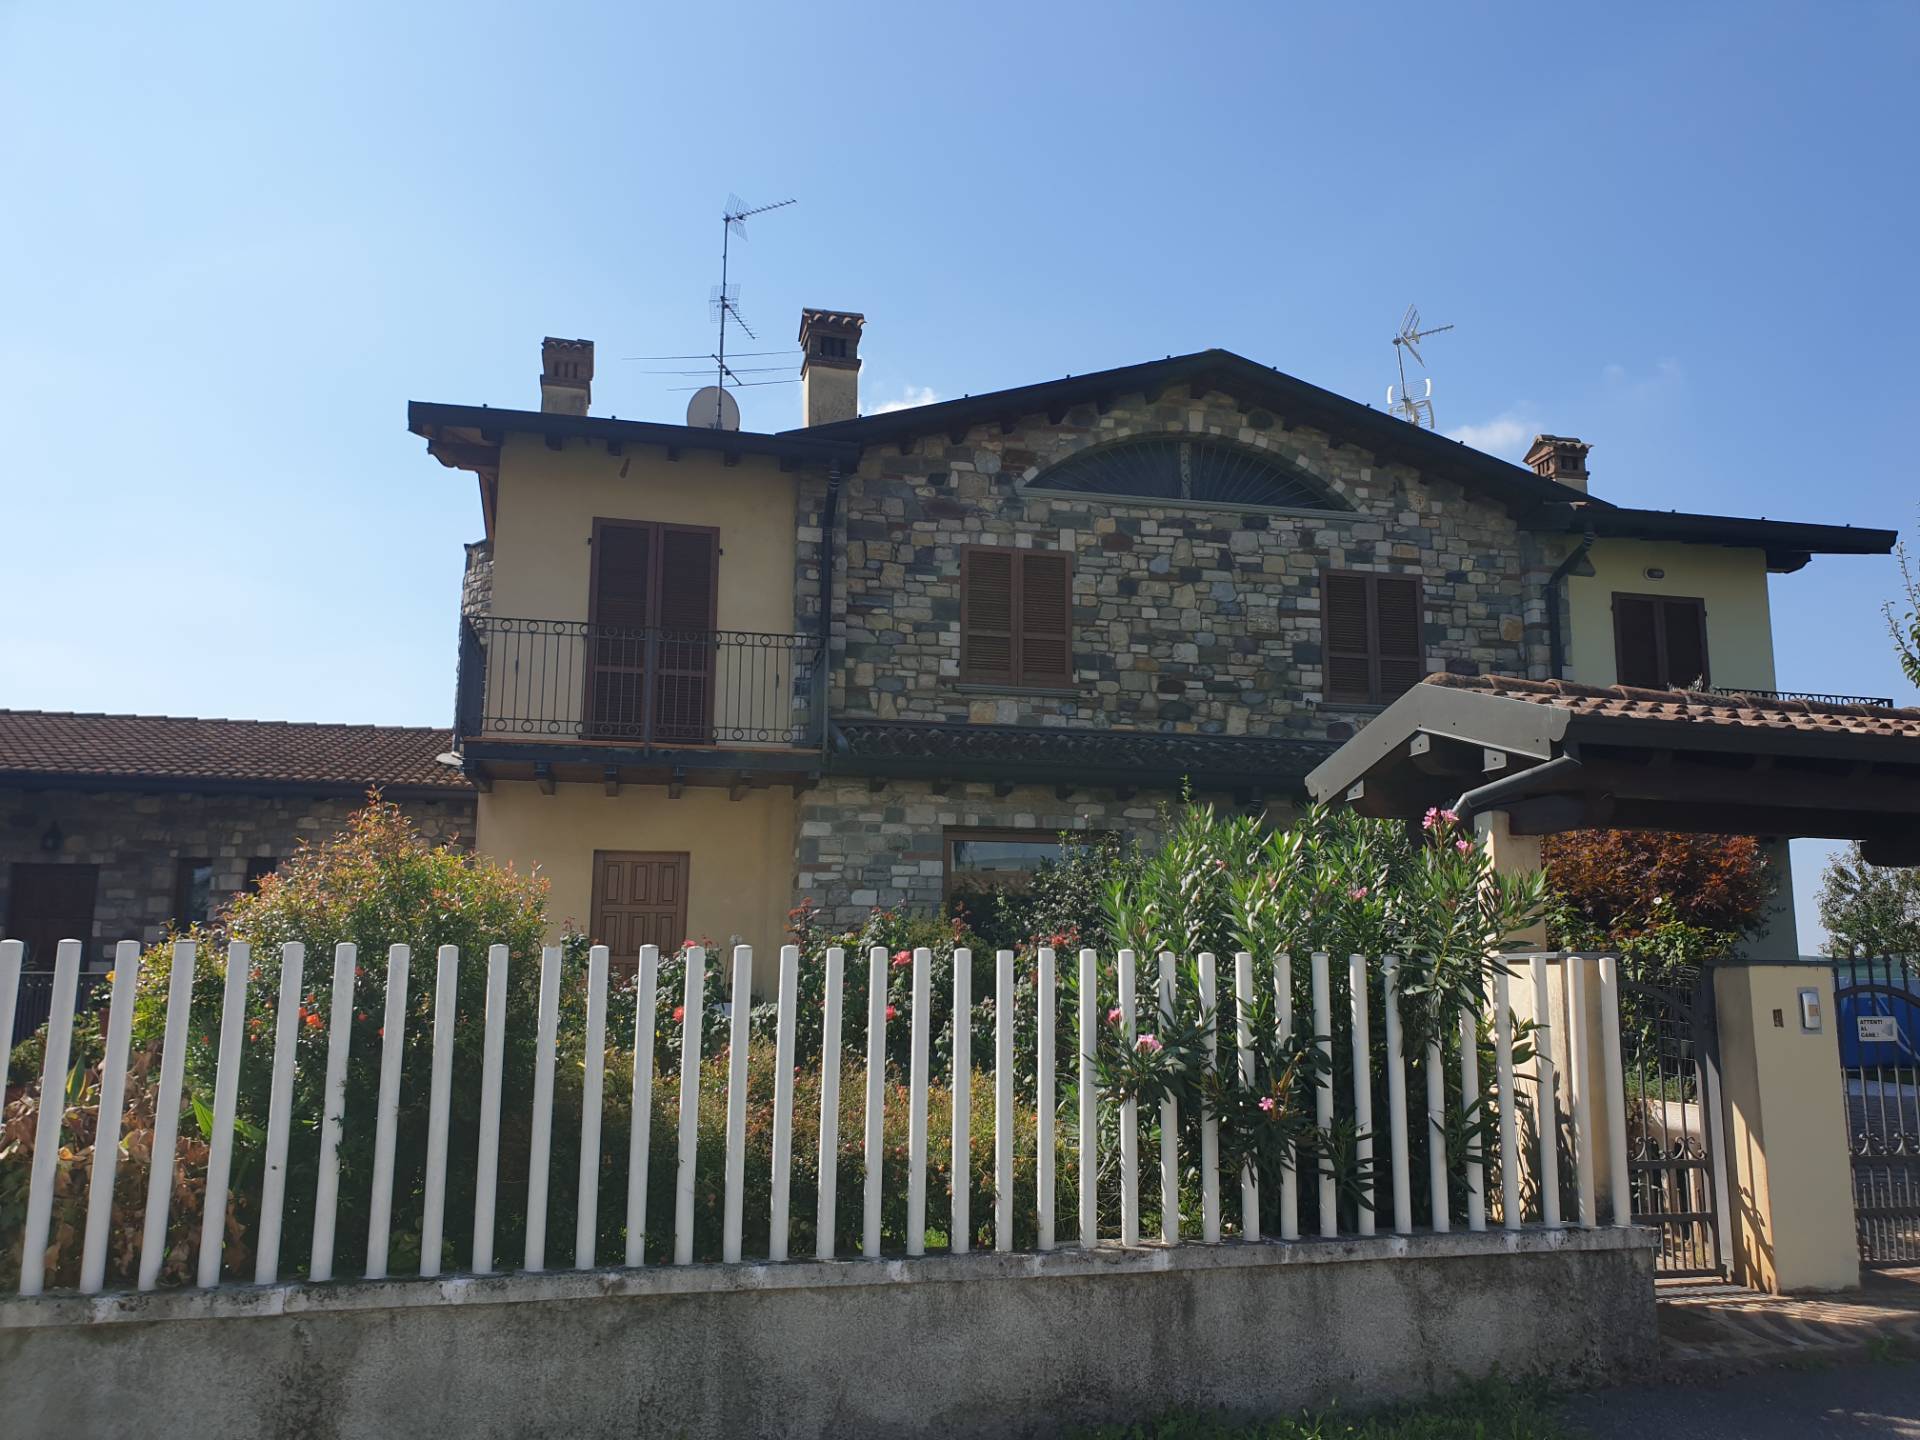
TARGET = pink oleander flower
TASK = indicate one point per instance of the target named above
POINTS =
(1431, 818)
(1463, 846)
(1113, 1016)
(1359, 892)
(1266, 1103)
(1149, 1043)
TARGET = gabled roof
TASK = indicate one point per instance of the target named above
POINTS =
(1555, 755)
(44, 747)
(1292, 400)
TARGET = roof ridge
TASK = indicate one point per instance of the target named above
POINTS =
(1639, 694)
(216, 720)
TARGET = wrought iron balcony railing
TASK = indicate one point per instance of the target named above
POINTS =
(1818, 697)
(567, 679)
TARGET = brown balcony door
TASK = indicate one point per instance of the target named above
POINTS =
(50, 903)
(651, 639)
(639, 898)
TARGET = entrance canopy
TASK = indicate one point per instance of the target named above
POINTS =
(1555, 756)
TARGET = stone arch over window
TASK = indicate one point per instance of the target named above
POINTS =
(1189, 469)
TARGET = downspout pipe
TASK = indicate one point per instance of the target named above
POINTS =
(828, 519)
(1556, 647)
(1491, 795)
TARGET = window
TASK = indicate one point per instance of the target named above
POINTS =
(258, 868)
(192, 891)
(982, 861)
(1200, 469)
(49, 903)
(1016, 616)
(1375, 646)
(1660, 641)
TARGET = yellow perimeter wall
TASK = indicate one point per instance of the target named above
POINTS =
(542, 558)
(740, 852)
(1732, 582)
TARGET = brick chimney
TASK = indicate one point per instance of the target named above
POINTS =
(830, 365)
(1560, 457)
(566, 376)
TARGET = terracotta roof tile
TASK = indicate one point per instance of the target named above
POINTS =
(1699, 707)
(232, 752)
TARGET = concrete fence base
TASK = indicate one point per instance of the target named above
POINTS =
(948, 1345)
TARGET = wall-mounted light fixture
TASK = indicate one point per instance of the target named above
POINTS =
(52, 839)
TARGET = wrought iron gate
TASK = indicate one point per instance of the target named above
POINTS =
(1675, 1169)
(1877, 1003)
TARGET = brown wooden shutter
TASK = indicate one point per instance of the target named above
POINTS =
(1349, 657)
(1398, 648)
(1046, 618)
(1684, 629)
(622, 574)
(987, 615)
(689, 570)
(1636, 641)
(639, 898)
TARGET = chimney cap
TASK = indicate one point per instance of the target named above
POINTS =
(830, 339)
(1559, 457)
(566, 375)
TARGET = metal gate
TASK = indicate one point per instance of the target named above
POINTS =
(1675, 1170)
(1878, 1004)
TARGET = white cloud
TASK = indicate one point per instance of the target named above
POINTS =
(1666, 375)
(912, 397)
(1506, 434)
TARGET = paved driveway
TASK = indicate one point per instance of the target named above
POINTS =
(1841, 1401)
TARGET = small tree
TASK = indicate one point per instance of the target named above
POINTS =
(1869, 910)
(1663, 900)
(1904, 624)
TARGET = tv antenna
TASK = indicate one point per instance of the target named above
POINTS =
(1415, 409)
(725, 302)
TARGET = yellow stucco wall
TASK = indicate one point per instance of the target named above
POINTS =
(549, 499)
(740, 852)
(1732, 582)
(1786, 1144)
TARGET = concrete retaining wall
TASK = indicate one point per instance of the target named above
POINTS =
(970, 1345)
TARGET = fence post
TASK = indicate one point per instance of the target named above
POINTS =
(273, 1180)
(1089, 1101)
(1362, 1082)
(164, 1161)
(692, 1027)
(876, 1100)
(1619, 1189)
(446, 997)
(1469, 1104)
(736, 1172)
(12, 956)
(593, 1084)
(1003, 1100)
(1397, 1098)
(1209, 1122)
(1323, 1095)
(226, 1092)
(781, 1187)
(829, 1103)
(487, 1160)
(46, 1136)
(1046, 1058)
(108, 1114)
(1546, 1109)
(961, 1223)
(1580, 1082)
(1510, 1215)
(917, 1061)
(540, 1150)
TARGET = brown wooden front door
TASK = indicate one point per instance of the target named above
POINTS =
(50, 903)
(651, 641)
(639, 898)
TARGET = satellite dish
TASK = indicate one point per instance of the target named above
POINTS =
(713, 409)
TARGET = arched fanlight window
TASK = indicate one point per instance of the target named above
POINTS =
(1199, 469)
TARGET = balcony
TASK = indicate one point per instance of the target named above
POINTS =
(1817, 697)
(550, 692)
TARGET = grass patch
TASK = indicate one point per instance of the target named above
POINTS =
(1492, 1410)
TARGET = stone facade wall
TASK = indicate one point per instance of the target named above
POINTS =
(859, 848)
(1186, 618)
(138, 839)
(476, 585)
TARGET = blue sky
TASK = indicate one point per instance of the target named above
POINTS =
(238, 239)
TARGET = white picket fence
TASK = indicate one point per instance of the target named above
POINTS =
(1583, 976)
